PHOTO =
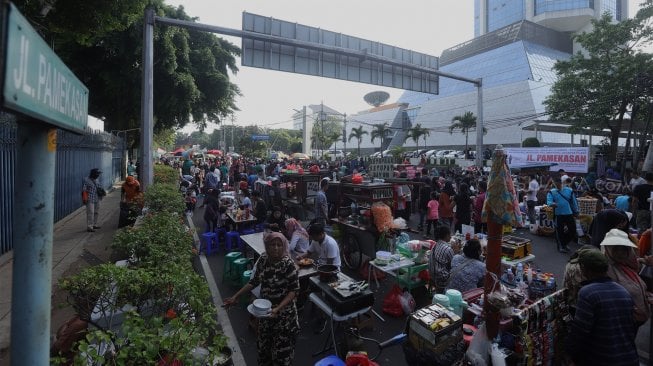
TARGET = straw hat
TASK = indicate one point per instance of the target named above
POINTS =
(617, 237)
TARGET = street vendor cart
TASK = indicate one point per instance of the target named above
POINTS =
(298, 190)
(353, 221)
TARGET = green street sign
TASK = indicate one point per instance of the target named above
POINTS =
(37, 83)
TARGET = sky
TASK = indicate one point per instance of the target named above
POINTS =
(270, 97)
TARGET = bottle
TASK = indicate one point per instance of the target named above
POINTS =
(529, 274)
(520, 272)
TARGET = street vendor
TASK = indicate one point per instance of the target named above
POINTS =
(324, 246)
(299, 240)
(440, 259)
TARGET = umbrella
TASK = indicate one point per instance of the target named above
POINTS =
(500, 208)
(178, 152)
(214, 152)
(300, 156)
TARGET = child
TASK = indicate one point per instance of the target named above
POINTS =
(191, 200)
(432, 213)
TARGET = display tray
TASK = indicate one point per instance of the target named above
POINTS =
(515, 247)
(347, 287)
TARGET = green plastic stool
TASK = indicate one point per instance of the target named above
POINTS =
(244, 279)
(228, 267)
(239, 266)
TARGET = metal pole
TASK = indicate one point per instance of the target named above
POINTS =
(232, 148)
(32, 233)
(479, 124)
(307, 134)
(147, 105)
(344, 136)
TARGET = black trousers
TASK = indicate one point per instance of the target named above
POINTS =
(565, 230)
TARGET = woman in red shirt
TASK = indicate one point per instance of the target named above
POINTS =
(446, 205)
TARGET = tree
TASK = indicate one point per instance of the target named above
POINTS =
(465, 123)
(101, 42)
(597, 88)
(530, 142)
(416, 133)
(397, 151)
(357, 133)
(323, 131)
(381, 131)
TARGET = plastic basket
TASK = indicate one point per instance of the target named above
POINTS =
(587, 205)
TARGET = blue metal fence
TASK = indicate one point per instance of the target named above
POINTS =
(76, 156)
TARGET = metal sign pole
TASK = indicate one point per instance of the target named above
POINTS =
(147, 106)
(479, 124)
(33, 228)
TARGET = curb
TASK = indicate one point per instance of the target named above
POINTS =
(223, 319)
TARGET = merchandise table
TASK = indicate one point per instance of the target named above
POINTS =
(389, 268)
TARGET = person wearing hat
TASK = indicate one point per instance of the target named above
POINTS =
(92, 193)
(602, 331)
(573, 277)
(623, 269)
(605, 221)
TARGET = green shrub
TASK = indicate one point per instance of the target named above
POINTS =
(165, 174)
(161, 197)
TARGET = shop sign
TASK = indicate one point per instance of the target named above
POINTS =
(571, 159)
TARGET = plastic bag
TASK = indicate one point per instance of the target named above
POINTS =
(579, 228)
(403, 238)
(478, 352)
(407, 302)
(399, 223)
(392, 302)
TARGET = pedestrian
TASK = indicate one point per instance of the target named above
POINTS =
(424, 197)
(603, 330)
(433, 214)
(463, 204)
(479, 200)
(321, 203)
(92, 194)
(573, 277)
(642, 193)
(440, 258)
(563, 200)
(131, 169)
(446, 204)
(277, 275)
(131, 202)
(531, 198)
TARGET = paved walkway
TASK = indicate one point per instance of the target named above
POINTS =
(73, 249)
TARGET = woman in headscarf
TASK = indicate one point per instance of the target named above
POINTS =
(463, 203)
(275, 271)
(299, 241)
(623, 269)
(446, 204)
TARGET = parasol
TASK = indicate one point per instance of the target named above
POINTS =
(214, 152)
(178, 152)
(500, 208)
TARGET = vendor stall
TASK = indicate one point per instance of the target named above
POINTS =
(356, 230)
(297, 189)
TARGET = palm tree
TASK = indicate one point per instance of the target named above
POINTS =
(465, 123)
(358, 133)
(416, 133)
(381, 130)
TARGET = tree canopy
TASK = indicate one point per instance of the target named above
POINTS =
(101, 42)
(596, 88)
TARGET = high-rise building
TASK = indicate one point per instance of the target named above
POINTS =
(516, 46)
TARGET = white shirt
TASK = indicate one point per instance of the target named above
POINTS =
(533, 187)
(328, 249)
(636, 181)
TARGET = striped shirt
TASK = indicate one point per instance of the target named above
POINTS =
(90, 186)
(603, 330)
(440, 263)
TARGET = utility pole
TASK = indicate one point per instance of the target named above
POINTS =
(344, 134)
(231, 148)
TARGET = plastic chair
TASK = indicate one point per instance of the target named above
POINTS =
(332, 360)
(210, 242)
(259, 228)
(408, 277)
(221, 232)
(232, 240)
(228, 267)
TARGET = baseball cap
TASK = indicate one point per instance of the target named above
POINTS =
(593, 260)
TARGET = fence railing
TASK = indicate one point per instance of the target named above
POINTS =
(76, 156)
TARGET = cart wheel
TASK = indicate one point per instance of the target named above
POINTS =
(350, 252)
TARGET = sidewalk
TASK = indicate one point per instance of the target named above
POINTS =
(73, 249)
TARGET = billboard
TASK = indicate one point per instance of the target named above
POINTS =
(571, 159)
(313, 51)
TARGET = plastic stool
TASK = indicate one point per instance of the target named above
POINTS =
(259, 228)
(248, 231)
(232, 240)
(332, 360)
(228, 267)
(210, 241)
(247, 275)
(239, 267)
(221, 232)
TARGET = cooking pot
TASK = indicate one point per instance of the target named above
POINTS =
(327, 272)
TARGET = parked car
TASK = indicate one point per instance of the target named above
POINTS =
(454, 154)
(430, 153)
(442, 153)
(338, 154)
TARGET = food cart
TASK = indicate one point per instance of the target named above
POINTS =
(353, 220)
(296, 190)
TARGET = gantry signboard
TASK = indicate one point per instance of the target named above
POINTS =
(347, 58)
(36, 82)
